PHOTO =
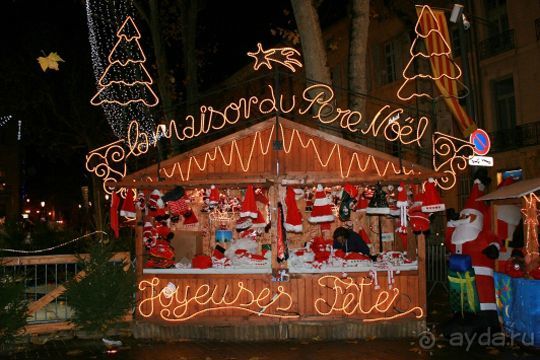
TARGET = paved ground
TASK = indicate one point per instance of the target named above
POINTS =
(312, 350)
(434, 348)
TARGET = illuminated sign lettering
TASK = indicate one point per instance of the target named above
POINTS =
(177, 304)
(185, 303)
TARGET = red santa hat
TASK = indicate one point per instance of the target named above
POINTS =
(351, 190)
(259, 222)
(249, 207)
(190, 219)
(431, 200)
(418, 219)
(293, 221)
(402, 200)
(322, 208)
(213, 198)
(128, 206)
(478, 208)
(362, 203)
(260, 196)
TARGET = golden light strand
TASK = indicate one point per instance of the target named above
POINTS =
(245, 160)
(531, 226)
(348, 299)
(445, 52)
(175, 305)
(284, 56)
(450, 155)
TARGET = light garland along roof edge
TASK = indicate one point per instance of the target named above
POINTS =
(334, 160)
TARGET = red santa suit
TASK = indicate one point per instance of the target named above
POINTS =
(468, 237)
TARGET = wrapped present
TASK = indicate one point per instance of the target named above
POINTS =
(463, 293)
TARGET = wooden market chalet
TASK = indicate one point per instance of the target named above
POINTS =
(271, 299)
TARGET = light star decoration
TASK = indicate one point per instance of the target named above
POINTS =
(283, 56)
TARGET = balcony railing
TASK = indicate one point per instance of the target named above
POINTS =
(518, 137)
(496, 44)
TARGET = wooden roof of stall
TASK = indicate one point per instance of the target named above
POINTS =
(248, 156)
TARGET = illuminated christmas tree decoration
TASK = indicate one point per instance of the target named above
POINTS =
(103, 20)
(284, 56)
(531, 214)
(446, 77)
(120, 58)
(184, 303)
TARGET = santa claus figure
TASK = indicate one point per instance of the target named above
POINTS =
(467, 236)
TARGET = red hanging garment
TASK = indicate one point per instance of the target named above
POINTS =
(282, 252)
(115, 202)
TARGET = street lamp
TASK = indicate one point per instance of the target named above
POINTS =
(42, 204)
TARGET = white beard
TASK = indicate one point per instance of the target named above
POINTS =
(465, 233)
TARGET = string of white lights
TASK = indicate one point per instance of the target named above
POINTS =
(55, 246)
(104, 18)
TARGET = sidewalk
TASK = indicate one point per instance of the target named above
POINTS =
(286, 350)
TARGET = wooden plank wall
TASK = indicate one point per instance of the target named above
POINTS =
(304, 289)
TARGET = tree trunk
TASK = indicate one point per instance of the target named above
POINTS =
(357, 54)
(313, 49)
(161, 60)
(188, 17)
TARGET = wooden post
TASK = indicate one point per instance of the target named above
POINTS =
(139, 249)
(422, 301)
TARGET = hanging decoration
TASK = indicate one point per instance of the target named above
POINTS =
(115, 86)
(317, 101)
(450, 155)
(103, 19)
(445, 73)
(531, 214)
(284, 56)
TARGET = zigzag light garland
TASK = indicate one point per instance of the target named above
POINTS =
(183, 173)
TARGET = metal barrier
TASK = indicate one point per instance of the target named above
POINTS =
(436, 266)
(44, 277)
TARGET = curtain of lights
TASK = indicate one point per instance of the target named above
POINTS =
(104, 17)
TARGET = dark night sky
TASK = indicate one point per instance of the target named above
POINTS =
(55, 172)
